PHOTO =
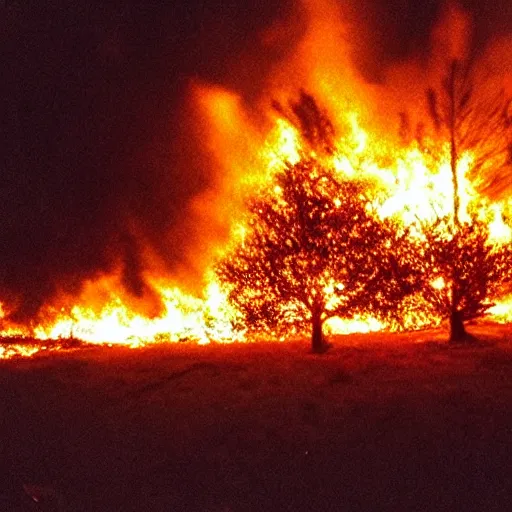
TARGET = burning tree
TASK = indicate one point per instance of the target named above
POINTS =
(314, 249)
(463, 270)
(475, 117)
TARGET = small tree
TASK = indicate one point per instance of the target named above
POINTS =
(314, 249)
(462, 273)
(475, 117)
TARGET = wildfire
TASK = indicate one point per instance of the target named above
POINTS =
(414, 179)
(415, 189)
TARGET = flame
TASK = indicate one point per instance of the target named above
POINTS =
(185, 317)
(502, 311)
(500, 232)
(249, 144)
(337, 325)
(19, 350)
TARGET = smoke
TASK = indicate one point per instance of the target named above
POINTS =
(103, 166)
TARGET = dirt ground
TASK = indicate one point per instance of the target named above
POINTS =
(381, 422)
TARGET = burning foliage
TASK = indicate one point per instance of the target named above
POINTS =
(313, 248)
(462, 271)
(311, 253)
(475, 117)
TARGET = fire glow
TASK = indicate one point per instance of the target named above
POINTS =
(415, 179)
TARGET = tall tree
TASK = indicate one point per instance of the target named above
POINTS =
(314, 249)
(474, 115)
(472, 111)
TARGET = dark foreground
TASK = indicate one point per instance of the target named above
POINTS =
(379, 423)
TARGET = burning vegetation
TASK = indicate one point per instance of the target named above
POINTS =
(312, 248)
(338, 220)
(318, 243)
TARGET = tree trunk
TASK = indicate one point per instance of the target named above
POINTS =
(454, 157)
(317, 336)
(458, 332)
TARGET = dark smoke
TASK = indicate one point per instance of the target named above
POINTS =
(96, 158)
(92, 142)
(399, 30)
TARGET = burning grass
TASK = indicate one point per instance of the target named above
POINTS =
(18, 346)
(381, 422)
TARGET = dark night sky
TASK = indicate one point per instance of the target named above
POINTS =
(94, 137)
